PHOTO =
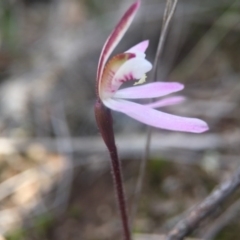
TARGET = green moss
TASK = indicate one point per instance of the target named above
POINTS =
(137, 230)
(157, 169)
(8, 26)
(75, 212)
(18, 234)
(231, 232)
(43, 224)
(93, 7)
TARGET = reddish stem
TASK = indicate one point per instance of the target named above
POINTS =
(104, 122)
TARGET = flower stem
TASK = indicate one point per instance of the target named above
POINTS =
(104, 121)
(118, 182)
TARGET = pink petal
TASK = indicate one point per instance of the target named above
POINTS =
(166, 102)
(139, 49)
(156, 118)
(150, 90)
(116, 36)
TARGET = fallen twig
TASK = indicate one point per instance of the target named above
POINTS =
(231, 213)
(86, 145)
(204, 209)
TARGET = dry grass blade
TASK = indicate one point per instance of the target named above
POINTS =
(168, 14)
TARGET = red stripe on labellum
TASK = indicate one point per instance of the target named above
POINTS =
(110, 70)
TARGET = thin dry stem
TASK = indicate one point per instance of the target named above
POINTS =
(168, 14)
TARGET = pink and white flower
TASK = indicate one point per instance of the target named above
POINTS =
(132, 65)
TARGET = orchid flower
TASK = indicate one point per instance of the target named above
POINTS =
(111, 74)
(132, 65)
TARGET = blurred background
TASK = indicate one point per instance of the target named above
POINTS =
(55, 181)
